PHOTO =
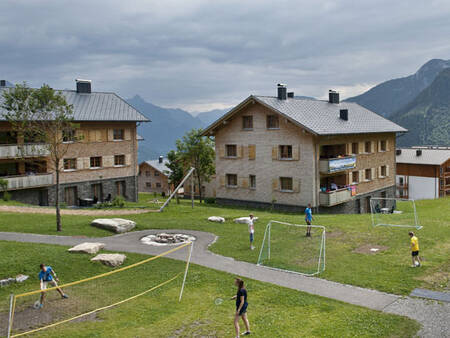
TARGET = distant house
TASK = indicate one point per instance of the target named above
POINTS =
(101, 159)
(154, 176)
(423, 172)
(287, 152)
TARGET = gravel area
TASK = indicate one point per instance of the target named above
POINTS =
(432, 315)
(84, 212)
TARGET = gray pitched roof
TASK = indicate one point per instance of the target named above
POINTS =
(97, 106)
(429, 156)
(161, 167)
(322, 117)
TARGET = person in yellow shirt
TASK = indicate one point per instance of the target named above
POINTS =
(414, 250)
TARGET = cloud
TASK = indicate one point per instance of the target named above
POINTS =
(200, 53)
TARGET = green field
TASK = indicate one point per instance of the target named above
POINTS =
(273, 311)
(347, 237)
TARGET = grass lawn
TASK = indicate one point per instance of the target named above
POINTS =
(273, 311)
(387, 270)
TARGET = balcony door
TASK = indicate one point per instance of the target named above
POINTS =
(70, 196)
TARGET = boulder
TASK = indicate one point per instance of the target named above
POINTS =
(21, 278)
(110, 259)
(89, 248)
(216, 219)
(244, 220)
(117, 225)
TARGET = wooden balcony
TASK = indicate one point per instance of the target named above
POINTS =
(28, 181)
(334, 165)
(8, 151)
(335, 197)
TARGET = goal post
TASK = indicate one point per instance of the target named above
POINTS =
(90, 296)
(286, 247)
(394, 212)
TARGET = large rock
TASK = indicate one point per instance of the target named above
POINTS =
(244, 220)
(89, 248)
(117, 225)
(216, 219)
(110, 259)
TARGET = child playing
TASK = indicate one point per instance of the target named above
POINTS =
(251, 230)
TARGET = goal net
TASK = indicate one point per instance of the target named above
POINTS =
(394, 212)
(287, 248)
(139, 283)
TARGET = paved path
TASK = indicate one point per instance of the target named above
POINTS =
(434, 317)
(84, 212)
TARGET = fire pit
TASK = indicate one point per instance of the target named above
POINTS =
(166, 239)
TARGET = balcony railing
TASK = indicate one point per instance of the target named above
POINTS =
(335, 197)
(28, 181)
(27, 150)
(333, 165)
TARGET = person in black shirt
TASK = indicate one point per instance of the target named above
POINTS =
(241, 307)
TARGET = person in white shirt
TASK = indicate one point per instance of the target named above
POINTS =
(251, 230)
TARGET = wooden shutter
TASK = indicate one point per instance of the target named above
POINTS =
(108, 161)
(80, 164)
(127, 133)
(79, 135)
(275, 153)
(275, 182)
(128, 159)
(349, 148)
(350, 177)
(251, 151)
(222, 181)
(244, 182)
(379, 172)
(372, 146)
(91, 135)
(240, 151)
(104, 135)
(374, 173)
(296, 153)
(221, 151)
(379, 146)
(98, 136)
(387, 145)
(361, 149)
(362, 176)
(387, 170)
(87, 162)
(296, 184)
(110, 134)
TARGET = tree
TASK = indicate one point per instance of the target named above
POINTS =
(45, 116)
(176, 170)
(195, 150)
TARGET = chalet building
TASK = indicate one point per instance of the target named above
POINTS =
(101, 164)
(154, 176)
(423, 172)
(287, 152)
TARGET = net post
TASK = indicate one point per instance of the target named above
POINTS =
(186, 270)
(324, 248)
(268, 243)
(11, 310)
(263, 243)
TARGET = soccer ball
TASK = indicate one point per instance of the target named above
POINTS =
(37, 304)
(416, 263)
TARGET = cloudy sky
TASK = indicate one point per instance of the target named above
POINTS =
(200, 54)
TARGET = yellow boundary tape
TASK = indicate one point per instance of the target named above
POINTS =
(99, 309)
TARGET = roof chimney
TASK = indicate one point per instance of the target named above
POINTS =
(83, 86)
(343, 114)
(2, 83)
(161, 159)
(282, 91)
(333, 96)
(419, 152)
(290, 95)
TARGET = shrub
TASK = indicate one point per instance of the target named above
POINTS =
(210, 200)
(6, 196)
(118, 201)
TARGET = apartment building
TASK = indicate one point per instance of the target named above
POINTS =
(423, 172)
(154, 176)
(101, 158)
(286, 152)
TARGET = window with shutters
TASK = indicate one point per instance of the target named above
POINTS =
(147, 173)
(247, 122)
(355, 148)
(383, 171)
(148, 185)
(273, 122)
(286, 184)
(355, 176)
(118, 134)
(68, 135)
(119, 160)
(232, 180)
(368, 174)
(252, 179)
(231, 150)
(158, 185)
(95, 162)
(70, 164)
(285, 152)
(367, 147)
(156, 173)
(383, 145)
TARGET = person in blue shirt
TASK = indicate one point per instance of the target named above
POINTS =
(47, 276)
(308, 218)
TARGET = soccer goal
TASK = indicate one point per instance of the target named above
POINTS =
(394, 212)
(89, 297)
(287, 248)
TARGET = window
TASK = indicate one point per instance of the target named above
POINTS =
(231, 150)
(120, 188)
(119, 160)
(367, 147)
(383, 171)
(147, 173)
(70, 164)
(368, 174)
(286, 183)
(272, 122)
(118, 134)
(252, 179)
(400, 180)
(355, 176)
(158, 185)
(285, 152)
(355, 148)
(383, 145)
(148, 185)
(96, 162)
(68, 135)
(247, 122)
(231, 180)
(156, 173)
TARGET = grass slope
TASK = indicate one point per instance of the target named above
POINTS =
(273, 311)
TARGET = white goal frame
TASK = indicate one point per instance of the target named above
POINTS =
(322, 248)
(372, 213)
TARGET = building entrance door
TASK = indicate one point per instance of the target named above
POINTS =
(70, 196)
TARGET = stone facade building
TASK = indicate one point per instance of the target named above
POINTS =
(154, 176)
(101, 158)
(285, 152)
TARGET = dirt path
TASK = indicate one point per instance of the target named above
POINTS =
(83, 212)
